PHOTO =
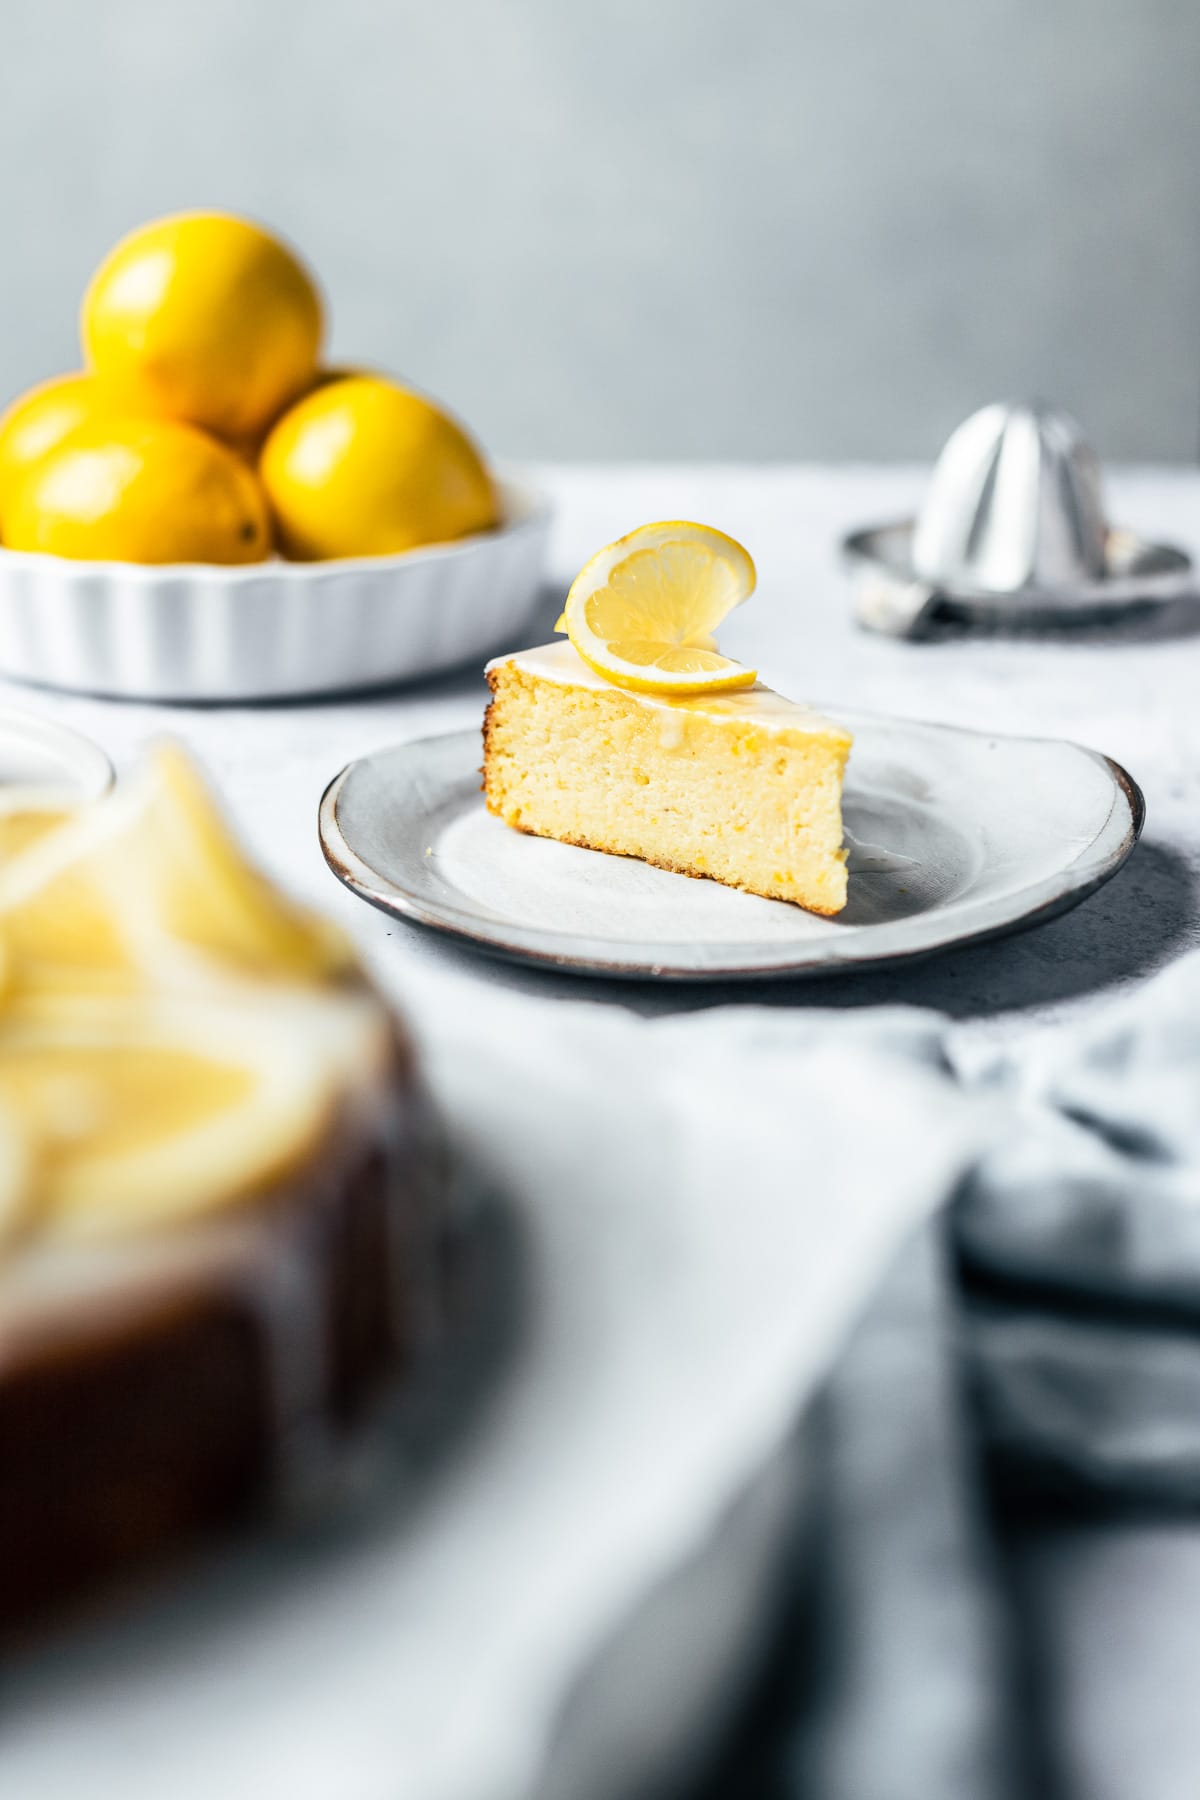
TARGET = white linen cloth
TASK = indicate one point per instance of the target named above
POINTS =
(707, 1204)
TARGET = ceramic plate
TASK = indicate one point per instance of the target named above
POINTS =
(953, 836)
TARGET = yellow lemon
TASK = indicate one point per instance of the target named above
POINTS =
(250, 448)
(643, 611)
(365, 467)
(140, 491)
(204, 317)
(39, 420)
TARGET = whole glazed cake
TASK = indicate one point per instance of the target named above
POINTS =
(222, 1193)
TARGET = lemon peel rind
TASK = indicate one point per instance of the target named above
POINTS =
(684, 687)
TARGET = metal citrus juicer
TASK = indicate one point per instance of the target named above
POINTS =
(1013, 531)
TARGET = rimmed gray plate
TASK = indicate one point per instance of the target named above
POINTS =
(954, 836)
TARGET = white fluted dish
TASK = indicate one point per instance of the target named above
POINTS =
(271, 631)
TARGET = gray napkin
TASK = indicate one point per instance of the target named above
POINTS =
(1038, 1345)
(1078, 1241)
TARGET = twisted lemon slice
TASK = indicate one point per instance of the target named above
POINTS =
(643, 611)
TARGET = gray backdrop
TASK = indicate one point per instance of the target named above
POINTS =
(640, 228)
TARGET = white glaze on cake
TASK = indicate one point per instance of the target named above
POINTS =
(560, 662)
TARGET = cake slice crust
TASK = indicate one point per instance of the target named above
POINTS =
(742, 788)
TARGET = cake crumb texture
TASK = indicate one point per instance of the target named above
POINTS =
(693, 788)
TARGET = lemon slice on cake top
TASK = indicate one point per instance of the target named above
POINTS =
(643, 611)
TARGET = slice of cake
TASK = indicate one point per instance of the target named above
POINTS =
(742, 786)
(637, 736)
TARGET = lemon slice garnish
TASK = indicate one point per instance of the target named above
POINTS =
(18, 1188)
(24, 823)
(173, 1036)
(643, 611)
(202, 890)
(147, 884)
(145, 1111)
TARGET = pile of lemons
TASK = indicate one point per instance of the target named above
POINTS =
(204, 428)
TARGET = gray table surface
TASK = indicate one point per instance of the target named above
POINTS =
(1115, 1611)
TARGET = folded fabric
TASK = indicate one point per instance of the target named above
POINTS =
(1074, 1328)
(708, 1201)
(892, 1680)
(1078, 1236)
(703, 1207)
